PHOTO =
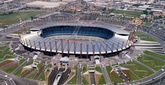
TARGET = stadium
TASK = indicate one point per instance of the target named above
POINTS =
(79, 39)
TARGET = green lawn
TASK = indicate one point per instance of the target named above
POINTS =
(74, 79)
(98, 69)
(155, 54)
(102, 80)
(32, 74)
(84, 69)
(148, 23)
(29, 63)
(9, 70)
(18, 73)
(42, 76)
(157, 63)
(135, 66)
(49, 65)
(133, 77)
(14, 17)
(113, 78)
(40, 65)
(144, 36)
(129, 13)
(84, 81)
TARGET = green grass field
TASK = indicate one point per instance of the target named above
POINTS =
(74, 79)
(144, 36)
(9, 70)
(42, 76)
(161, 56)
(153, 63)
(128, 13)
(18, 73)
(102, 80)
(139, 70)
(98, 69)
(14, 17)
(32, 74)
(148, 24)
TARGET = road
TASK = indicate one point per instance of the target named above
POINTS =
(79, 78)
(28, 72)
(148, 80)
(106, 75)
(39, 72)
(19, 67)
(8, 65)
(92, 78)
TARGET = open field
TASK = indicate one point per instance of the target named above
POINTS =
(153, 63)
(74, 79)
(128, 13)
(14, 17)
(144, 36)
(161, 56)
(137, 69)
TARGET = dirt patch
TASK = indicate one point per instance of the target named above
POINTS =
(87, 77)
(24, 70)
(97, 77)
(6, 62)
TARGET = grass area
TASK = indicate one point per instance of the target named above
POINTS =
(9, 70)
(144, 36)
(21, 31)
(84, 81)
(40, 65)
(139, 70)
(148, 23)
(18, 73)
(129, 13)
(5, 51)
(29, 63)
(42, 76)
(6, 19)
(32, 74)
(113, 78)
(153, 63)
(133, 77)
(102, 80)
(98, 69)
(2, 63)
(74, 79)
(49, 65)
(155, 54)
(84, 69)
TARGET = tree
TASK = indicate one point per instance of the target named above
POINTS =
(145, 12)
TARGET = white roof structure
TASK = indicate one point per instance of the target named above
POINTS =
(44, 4)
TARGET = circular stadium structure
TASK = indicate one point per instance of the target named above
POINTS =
(77, 39)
